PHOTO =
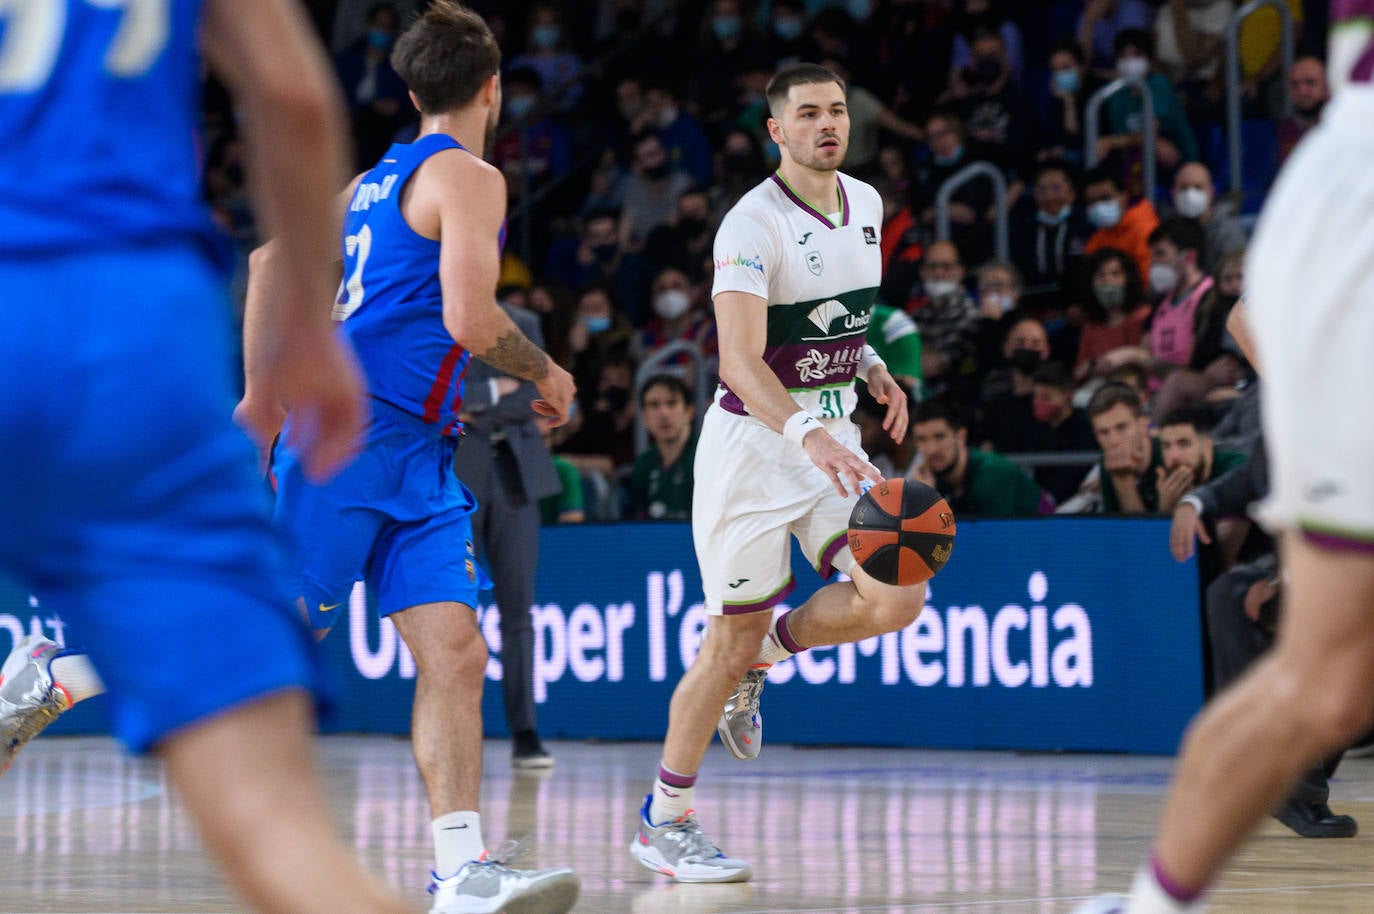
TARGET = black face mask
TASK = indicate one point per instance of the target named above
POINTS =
(658, 172)
(605, 253)
(1025, 361)
(1227, 302)
(737, 163)
(1311, 113)
(691, 227)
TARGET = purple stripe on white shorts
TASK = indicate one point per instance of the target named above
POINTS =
(740, 609)
(1338, 543)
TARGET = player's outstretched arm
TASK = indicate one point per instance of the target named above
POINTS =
(472, 205)
(742, 328)
(293, 130)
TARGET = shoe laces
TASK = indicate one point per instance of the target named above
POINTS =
(751, 689)
(495, 863)
(686, 832)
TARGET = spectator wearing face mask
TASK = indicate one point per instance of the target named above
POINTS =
(677, 318)
(787, 41)
(537, 149)
(604, 439)
(1118, 225)
(1071, 84)
(1308, 89)
(728, 47)
(683, 140)
(1102, 21)
(599, 332)
(1008, 418)
(998, 287)
(947, 317)
(1216, 366)
(1125, 112)
(1115, 312)
(378, 103)
(651, 192)
(684, 242)
(986, 17)
(1059, 427)
(548, 52)
(597, 258)
(991, 103)
(1195, 198)
(1049, 234)
(971, 206)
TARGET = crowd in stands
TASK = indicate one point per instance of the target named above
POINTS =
(631, 127)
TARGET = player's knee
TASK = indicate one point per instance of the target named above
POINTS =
(1332, 706)
(894, 608)
(730, 655)
(458, 655)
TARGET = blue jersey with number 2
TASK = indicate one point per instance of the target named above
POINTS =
(99, 103)
(391, 302)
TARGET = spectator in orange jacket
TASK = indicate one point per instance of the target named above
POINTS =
(1118, 225)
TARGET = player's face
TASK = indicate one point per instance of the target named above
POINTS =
(1184, 447)
(939, 444)
(666, 415)
(814, 127)
(1120, 432)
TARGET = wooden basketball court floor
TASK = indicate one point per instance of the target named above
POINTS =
(85, 828)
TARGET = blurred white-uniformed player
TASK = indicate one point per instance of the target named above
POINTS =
(1309, 320)
(797, 266)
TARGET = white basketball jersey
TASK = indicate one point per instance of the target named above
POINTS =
(819, 278)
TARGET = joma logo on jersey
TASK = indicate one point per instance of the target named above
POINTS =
(826, 313)
(371, 192)
(739, 260)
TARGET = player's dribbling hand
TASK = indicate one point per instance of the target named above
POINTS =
(262, 418)
(557, 391)
(839, 463)
(888, 392)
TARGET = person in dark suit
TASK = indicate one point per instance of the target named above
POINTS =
(504, 461)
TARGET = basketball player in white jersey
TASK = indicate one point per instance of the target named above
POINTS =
(1310, 315)
(797, 266)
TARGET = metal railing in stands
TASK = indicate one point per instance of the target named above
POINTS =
(657, 363)
(972, 172)
(1030, 460)
(1233, 77)
(1148, 127)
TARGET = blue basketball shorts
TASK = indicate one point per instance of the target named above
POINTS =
(396, 518)
(133, 507)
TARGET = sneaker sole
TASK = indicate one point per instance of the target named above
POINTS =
(532, 764)
(743, 753)
(555, 895)
(652, 860)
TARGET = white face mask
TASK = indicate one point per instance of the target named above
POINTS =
(941, 288)
(1163, 278)
(1133, 67)
(667, 116)
(1001, 301)
(1192, 202)
(671, 304)
(1105, 213)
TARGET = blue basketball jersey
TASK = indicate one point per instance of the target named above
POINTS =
(99, 107)
(390, 301)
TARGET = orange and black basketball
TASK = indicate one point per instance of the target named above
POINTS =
(901, 532)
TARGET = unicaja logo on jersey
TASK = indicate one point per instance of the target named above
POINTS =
(739, 260)
(826, 313)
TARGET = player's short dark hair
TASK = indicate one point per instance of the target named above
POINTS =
(1111, 394)
(446, 56)
(937, 409)
(1199, 419)
(1184, 234)
(798, 74)
(670, 381)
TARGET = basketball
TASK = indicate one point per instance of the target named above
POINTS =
(901, 532)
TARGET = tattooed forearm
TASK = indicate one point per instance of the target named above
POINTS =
(517, 356)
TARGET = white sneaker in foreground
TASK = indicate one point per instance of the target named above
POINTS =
(489, 885)
(680, 849)
(29, 699)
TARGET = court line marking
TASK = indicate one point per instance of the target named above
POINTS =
(1003, 902)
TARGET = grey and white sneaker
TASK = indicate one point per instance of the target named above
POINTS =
(741, 725)
(491, 885)
(29, 699)
(680, 849)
